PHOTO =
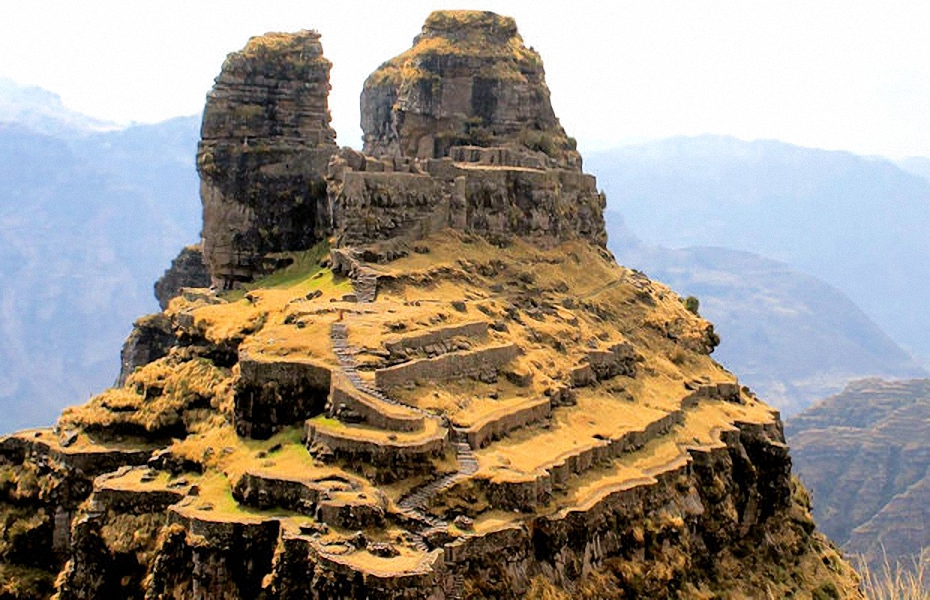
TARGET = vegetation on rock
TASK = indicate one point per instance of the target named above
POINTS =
(465, 397)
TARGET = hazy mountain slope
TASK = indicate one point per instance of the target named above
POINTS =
(86, 226)
(865, 456)
(790, 336)
(43, 111)
(915, 165)
(857, 223)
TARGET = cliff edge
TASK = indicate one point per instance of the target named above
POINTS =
(419, 375)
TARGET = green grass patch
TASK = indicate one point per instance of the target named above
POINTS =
(305, 265)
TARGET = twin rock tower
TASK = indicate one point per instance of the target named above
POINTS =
(459, 132)
(466, 398)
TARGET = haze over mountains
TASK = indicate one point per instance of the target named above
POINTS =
(790, 336)
(857, 223)
(88, 220)
(91, 218)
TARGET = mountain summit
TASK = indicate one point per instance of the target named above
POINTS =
(425, 377)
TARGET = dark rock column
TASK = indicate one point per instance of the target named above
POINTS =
(265, 143)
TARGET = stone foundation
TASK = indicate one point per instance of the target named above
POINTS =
(273, 394)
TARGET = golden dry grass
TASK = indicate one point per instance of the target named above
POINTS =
(155, 397)
(469, 39)
(897, 580)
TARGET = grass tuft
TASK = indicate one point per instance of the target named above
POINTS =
(897, 579)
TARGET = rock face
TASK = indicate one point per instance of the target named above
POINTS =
(480, 191)
(488, 406)
(459, 132)
(265, 144)
(467, 81)
(187, 270)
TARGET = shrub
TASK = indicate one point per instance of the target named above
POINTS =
(692, 305)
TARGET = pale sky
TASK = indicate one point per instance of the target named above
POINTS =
(848, 75)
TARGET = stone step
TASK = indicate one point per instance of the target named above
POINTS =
(458, 587)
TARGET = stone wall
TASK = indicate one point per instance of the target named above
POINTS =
(496, 425)
(527, 495)
(400, 345)
(372, 411)
(482, 363)
(272, 394)
(200, 558)
(396, 457)
(305, 570)
(545, 206)
(601, 365)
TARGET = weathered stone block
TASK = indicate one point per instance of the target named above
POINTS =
(482, 363)
(272, 394)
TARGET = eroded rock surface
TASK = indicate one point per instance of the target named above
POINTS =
(265, 143)
(468, 81)
(187, 270)
(466, 397)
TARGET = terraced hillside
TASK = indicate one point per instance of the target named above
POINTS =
(865, 453)
(474, 411)
(457, 394)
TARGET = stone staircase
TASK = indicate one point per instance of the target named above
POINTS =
(414, 504)
(339, 336)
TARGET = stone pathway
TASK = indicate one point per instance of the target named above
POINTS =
(414, 503)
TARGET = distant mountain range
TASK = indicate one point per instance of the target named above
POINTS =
(88, 221)
(865, 456)
(791, 337)
(859, 224)
(43, 112)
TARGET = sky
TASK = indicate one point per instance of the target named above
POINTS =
(844, 75)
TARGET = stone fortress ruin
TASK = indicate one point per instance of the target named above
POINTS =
(419, 373)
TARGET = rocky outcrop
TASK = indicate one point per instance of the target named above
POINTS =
(496, 410)
(468, 80)
(265, 144)
(495, 200)
(187, 270)
(150, 339)
(271, 395)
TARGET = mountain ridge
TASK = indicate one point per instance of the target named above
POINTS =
(833, 211)
(793, 338)
(432, 381)
(864, 453)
